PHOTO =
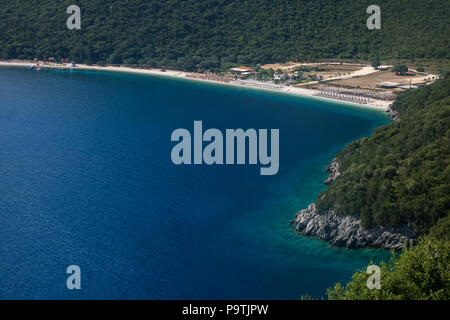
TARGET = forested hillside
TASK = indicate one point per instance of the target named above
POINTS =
(192, 34)
(401, 174)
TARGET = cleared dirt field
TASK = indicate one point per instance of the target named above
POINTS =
(282, 66)
(328, 67)
(328, 71)
(338, 67)
(371, 80)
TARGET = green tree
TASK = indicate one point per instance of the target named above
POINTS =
(420, 272)
(8, 52)
(400, 69)
(375, 63)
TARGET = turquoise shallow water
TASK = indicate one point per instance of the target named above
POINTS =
(86, 179)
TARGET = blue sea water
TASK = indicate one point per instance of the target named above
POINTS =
(86, 179)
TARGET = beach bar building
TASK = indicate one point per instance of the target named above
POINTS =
(242, 72)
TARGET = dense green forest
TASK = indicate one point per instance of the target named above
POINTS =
(401, 174)
(211, 34)
(418, 273)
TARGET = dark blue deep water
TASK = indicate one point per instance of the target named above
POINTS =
(86, 179)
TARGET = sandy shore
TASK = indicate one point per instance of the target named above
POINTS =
(373, 104)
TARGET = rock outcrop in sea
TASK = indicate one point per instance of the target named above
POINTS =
(345, 230)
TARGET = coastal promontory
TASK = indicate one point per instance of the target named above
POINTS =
(388, 189)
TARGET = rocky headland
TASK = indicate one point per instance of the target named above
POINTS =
(393, 114)
(347, 231)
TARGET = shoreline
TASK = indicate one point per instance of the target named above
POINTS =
(345, 230)
(380, 105)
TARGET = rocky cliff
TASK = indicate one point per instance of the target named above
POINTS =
(347, 231)
(333, 170)
(393, 114)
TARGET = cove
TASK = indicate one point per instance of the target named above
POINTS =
(87, 180)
